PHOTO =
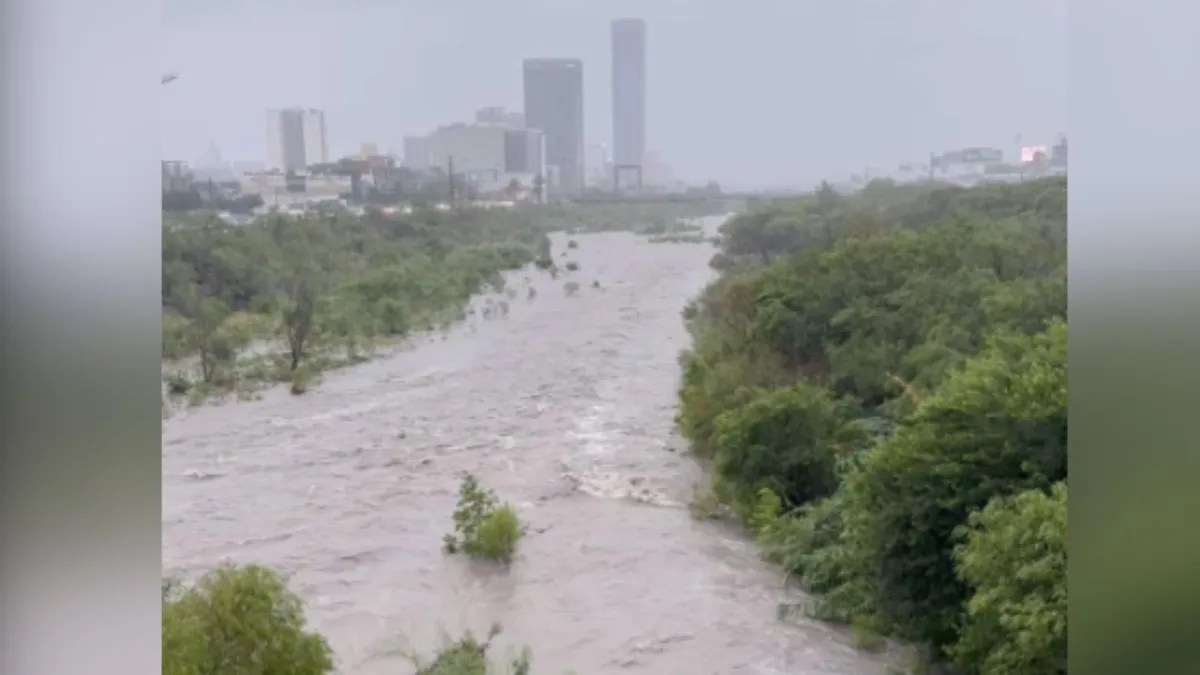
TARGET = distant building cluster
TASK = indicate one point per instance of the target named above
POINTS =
(543, 146)
(538, 153)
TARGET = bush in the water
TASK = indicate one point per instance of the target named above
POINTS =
(483, 528)
(302, 379)
(572, 244)
(571, 287)
(238, 620)
(572, 266)
(468, 656)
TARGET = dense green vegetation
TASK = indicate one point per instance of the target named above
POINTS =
(282, 299)
(879, 380)
(483, 527)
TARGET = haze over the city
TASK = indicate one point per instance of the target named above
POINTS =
(761, 94)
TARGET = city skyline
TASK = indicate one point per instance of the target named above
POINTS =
(756, 99)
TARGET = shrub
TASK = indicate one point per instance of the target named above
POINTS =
(238, 620)
(483, 528)
(468, 656)
(1014, 558)
(178, 384)
(572, 244)
(865, 636)
(302, 379)
(497, 535)
(572, 266)
(783, 440)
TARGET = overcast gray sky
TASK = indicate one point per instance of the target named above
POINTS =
(747, 92)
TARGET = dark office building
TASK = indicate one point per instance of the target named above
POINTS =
(554, 104)
(629, 91)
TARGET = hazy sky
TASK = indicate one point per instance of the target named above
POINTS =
(747, 92)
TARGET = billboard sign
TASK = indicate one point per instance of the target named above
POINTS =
(1033, 153)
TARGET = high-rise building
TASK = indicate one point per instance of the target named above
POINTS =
(554, 104)
(629, 92)
(316, 147)
(285, 140)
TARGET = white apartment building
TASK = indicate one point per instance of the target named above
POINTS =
(474, 148)
(316, 145)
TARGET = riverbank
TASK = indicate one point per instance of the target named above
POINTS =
(879, 382)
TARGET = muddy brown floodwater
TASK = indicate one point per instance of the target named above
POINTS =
(564, 406)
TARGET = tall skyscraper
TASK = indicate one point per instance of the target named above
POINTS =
(629, 91)
(316, 148)
(554, 104)
(285, 140)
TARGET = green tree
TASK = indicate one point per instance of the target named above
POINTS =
(207, 316)
(1014, 559)
(783, 440)
(997, 427)
(239, 620)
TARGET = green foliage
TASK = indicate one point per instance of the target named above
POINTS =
(871, 369)
(814, 547)
(301, 379)
(768, 507)
(238, 620)
(178, 384)
(1014, 559)
(783, 440)
(176, 341)
(865, 636)
(997, 427)
(483, 528)
(468, 656)
(497, 535)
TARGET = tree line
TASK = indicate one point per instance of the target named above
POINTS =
(320, 290)
(323, 287)
(879, 381)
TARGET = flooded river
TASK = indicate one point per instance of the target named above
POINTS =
(564, 407)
